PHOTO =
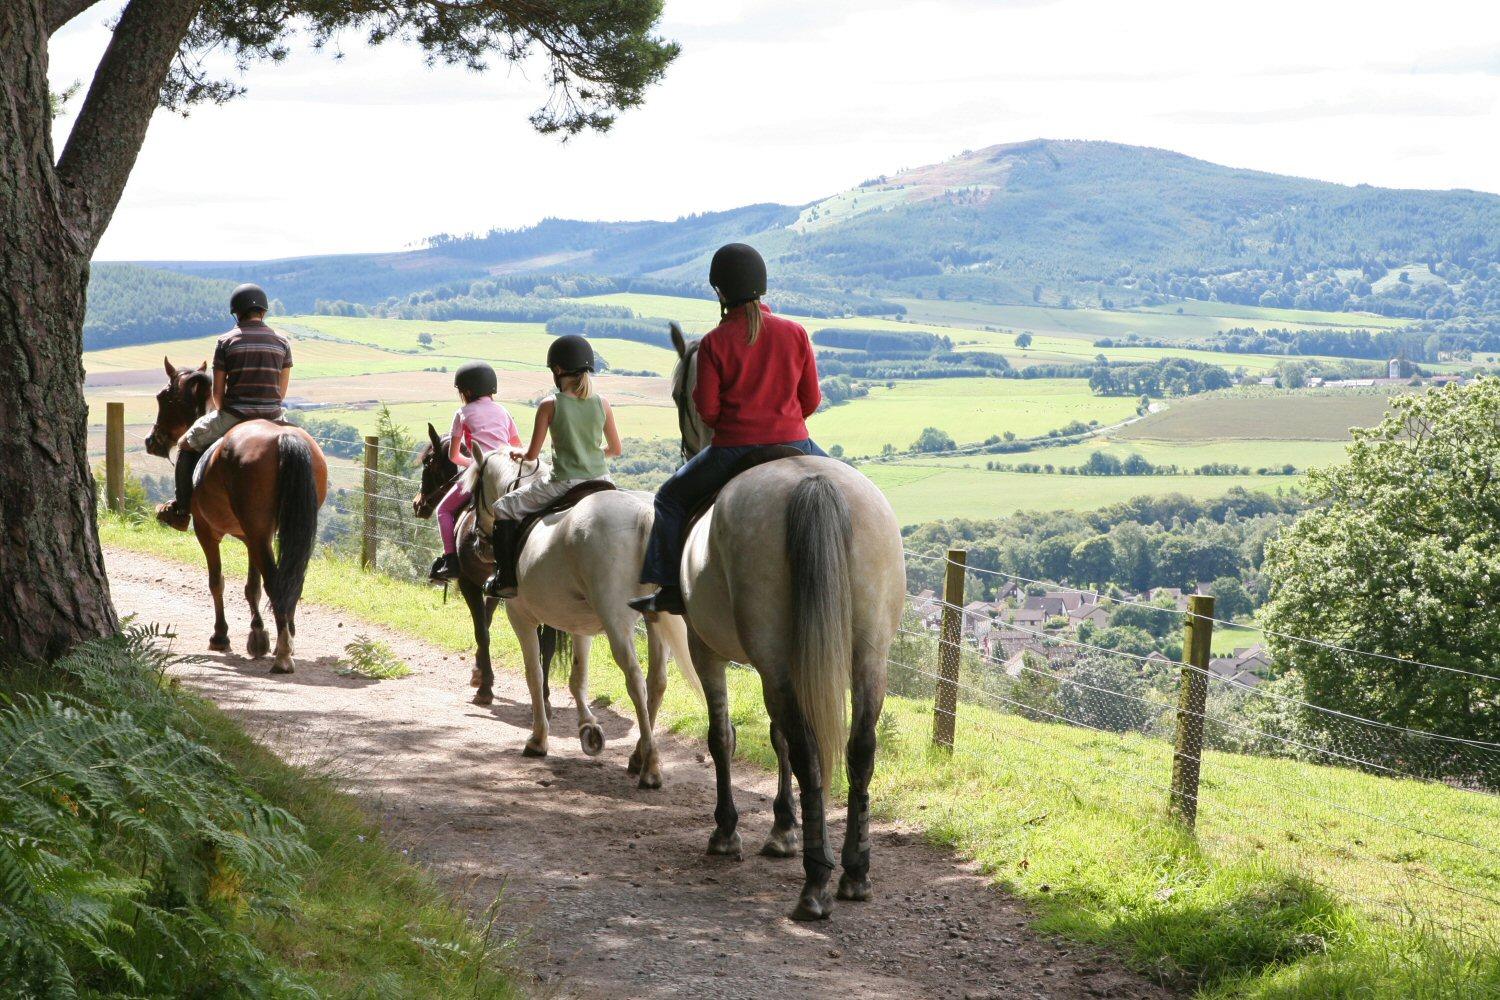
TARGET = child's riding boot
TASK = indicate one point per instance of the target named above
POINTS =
(179, 512)
(503, 541)
(444, 567)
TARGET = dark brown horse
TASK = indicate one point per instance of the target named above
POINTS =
(266, 481)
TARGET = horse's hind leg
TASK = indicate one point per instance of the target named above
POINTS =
(590, 733)
(869, 695)
(219, 641)
(621, 633)
(815, 902)
(263, 560)
(259, 643)
(725, 839)
(656, 686)
(782, 842)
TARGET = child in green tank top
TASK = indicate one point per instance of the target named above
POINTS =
(584, 436)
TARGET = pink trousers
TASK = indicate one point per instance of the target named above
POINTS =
(447, 516)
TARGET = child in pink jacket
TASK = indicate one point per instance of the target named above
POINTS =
(480, 420)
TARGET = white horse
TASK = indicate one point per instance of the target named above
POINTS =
(798, 570)
(577, 572)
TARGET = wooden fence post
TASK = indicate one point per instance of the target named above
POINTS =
(114, 456)
(367, 550)
(1187, 759)
(945, 700)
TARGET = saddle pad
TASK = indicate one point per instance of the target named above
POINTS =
(748, 461)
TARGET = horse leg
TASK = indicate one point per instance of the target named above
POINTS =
(622, 644)
(782, 842)
(815, 902)
(531, 654)
(590, 733)
(725, 839)
(263, 559)
(219, 641)
(259, 643)
(656, 686)
(480, 612)
(855, 882)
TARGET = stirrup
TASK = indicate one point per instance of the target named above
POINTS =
(173, 516)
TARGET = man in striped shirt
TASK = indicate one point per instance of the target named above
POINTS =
(252, 368)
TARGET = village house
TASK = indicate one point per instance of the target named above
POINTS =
(1248, 666)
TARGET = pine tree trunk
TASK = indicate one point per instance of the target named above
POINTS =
(53, 591)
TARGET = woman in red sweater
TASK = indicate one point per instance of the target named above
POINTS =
(757, 384)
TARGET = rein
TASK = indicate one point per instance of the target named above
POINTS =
(480, 502)
(423, 497)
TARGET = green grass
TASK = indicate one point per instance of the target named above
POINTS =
(929, 492)
(1294, 415)
(970, 409)
(1262, 905)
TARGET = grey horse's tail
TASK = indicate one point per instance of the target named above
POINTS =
(297, 521)
(822, 647)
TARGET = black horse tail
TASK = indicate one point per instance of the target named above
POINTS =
(555, 644)
(297, 522)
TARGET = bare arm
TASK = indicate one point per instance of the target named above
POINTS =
(539, 429)
(612, 446)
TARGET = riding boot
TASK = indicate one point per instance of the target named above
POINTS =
(503, 541)
(178, 513)
(667, 600)
(444, 568)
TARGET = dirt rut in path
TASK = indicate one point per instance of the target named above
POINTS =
(607, 887)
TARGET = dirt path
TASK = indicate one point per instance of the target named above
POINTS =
(607, 886)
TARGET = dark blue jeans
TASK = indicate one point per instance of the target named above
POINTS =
(703, 475)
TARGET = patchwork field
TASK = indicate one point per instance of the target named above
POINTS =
(348, 366)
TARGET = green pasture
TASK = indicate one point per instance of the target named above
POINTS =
(1303, 881)
(1259, 414)
(1254, 453)
(1271, 316)
(970, 409)
(921, 492)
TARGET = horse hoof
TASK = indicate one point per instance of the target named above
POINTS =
(482, 698)
(218, 644)
(813, 906)
(854, 889)
(281, 668)
(633, 765)
(475, 679)
(780, 844)
(650, 780)
(533, 751)
(591, 735)
(725, 845)
(258, 644)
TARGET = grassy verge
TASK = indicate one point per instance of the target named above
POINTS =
(1284, 893)
(151, 848)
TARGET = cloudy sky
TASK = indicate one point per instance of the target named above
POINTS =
(789, 101)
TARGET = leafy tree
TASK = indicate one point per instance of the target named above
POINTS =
(1106, 693)
(1158, 618)
(599, 56)
(1231, 599)
(932, 439)
(1023, 340)
(1400, 557)
(1094, 560)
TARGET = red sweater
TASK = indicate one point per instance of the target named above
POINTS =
(761, 393)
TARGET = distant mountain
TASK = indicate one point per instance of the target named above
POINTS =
(1061, 222)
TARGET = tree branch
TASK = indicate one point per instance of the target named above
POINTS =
(111, 126)
(60, 12)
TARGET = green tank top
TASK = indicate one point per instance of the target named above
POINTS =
(578, 438)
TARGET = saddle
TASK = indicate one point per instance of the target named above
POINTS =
(479, 546)
(201, 469)
(748, 461)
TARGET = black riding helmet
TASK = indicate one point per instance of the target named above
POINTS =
(476, 379)
(248, 298)
(738, 272)
(570, 355)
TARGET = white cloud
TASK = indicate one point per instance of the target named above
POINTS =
(780, 100)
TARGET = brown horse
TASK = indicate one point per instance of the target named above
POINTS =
(265, 481)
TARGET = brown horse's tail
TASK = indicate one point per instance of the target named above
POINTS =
(297, 521)
(818, 532)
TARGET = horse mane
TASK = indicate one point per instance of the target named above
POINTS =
(502, 471)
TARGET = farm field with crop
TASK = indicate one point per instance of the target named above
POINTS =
(1186, 455)
(1261, 414)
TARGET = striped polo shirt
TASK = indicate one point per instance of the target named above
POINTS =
(252, 357)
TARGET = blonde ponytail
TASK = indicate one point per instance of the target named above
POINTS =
(580, 385)
(752, 321)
